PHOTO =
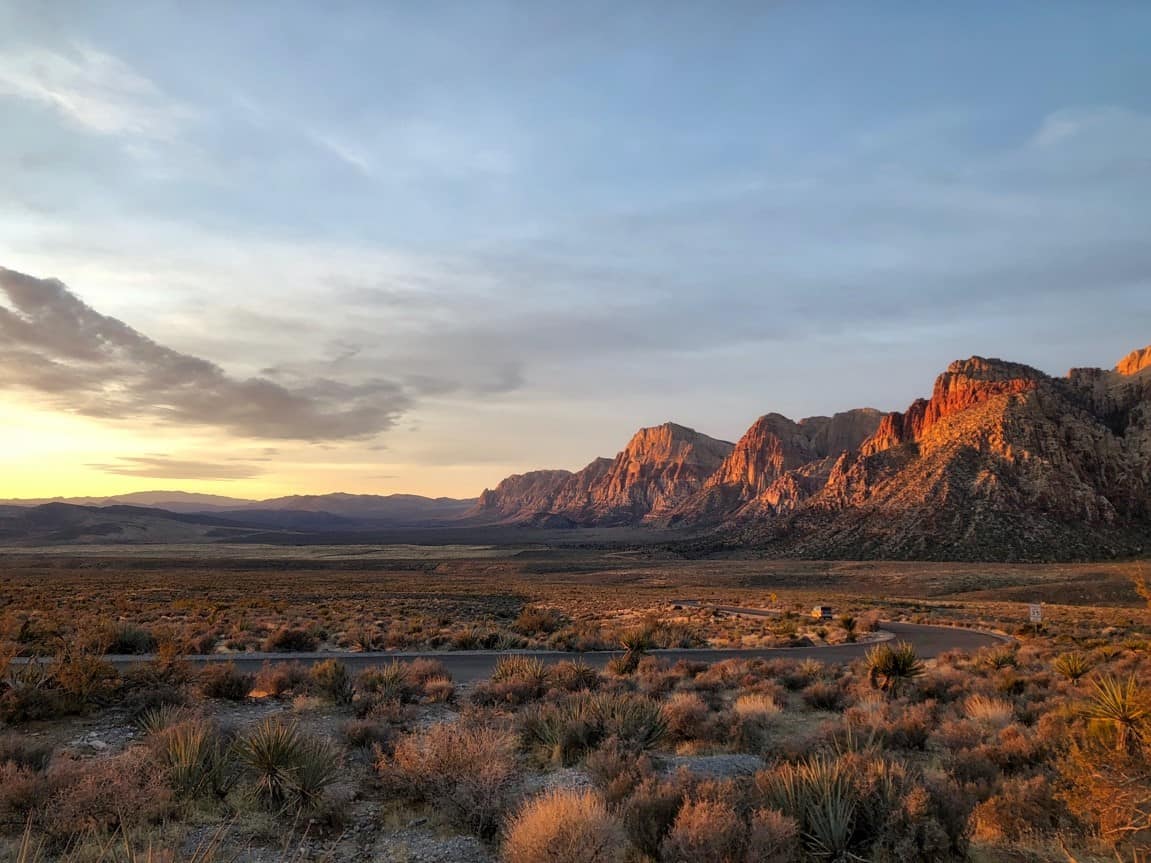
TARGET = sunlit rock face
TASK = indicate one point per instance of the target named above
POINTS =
(659, 468)
(1002, 462)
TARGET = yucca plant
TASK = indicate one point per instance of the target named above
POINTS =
(1124, 705)
(1000, 659)
(575, 675)
(888, 667)
(271, 751)
(198, 758)
(157, 719)
(820, 794)
(388, 683)
(1073, 666)
(317, 767)
(520, 667)
(634, 720)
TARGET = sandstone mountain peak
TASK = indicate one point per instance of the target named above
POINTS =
(1002, 461)
(1135, 361)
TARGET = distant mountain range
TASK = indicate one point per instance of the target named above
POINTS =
(1002, 462)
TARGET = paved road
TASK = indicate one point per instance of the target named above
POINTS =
(470, 666)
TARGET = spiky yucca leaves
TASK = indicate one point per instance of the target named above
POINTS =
(289, 768)
(317, 768)
(820, 794)
(157, 719)
(523, 668)
(890, 667)
(1073, 666)
(574, 675)
(271, 752)
(388, 683)
(198, 758)
(1125, 705)
(567, 729)
(1002, 658)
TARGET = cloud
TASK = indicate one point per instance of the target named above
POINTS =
(54, 345)
(93, 90)
(166, 468)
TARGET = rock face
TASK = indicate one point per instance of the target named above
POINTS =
(659, 468)
(1002, 462)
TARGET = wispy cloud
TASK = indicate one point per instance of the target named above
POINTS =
(54, 345)
(91, 89)
(160, 467)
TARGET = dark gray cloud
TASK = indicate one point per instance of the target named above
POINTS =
(56, 346)
(160, 467)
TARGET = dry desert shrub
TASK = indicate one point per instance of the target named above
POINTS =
(291, 640)
(649, 811)
(772, 838)
(222, 680)
(104, 795)
(281, 678)
(686, 714)
(331, 681)
(706, 829)
(616, 769)
(565, 826)
(1021, 809)
(466, 768)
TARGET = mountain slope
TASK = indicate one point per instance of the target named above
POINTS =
(658, 469)
(1003, 462)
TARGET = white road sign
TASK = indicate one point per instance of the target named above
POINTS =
(1036, 612)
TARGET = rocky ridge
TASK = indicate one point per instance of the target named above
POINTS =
(1002, 462)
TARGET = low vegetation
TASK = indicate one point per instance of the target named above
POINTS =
(1039, 749)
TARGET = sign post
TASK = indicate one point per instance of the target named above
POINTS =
(1035, 612)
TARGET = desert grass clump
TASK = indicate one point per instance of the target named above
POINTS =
(516, 680)
(890, 668)
(565, 730)
(565, 826)
(538, 621)
(466, 768)
(222, 680)
(391, 683)
(987, 711)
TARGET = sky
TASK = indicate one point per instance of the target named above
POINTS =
(266, 248)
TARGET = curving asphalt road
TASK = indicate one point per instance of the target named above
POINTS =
(472, 665)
